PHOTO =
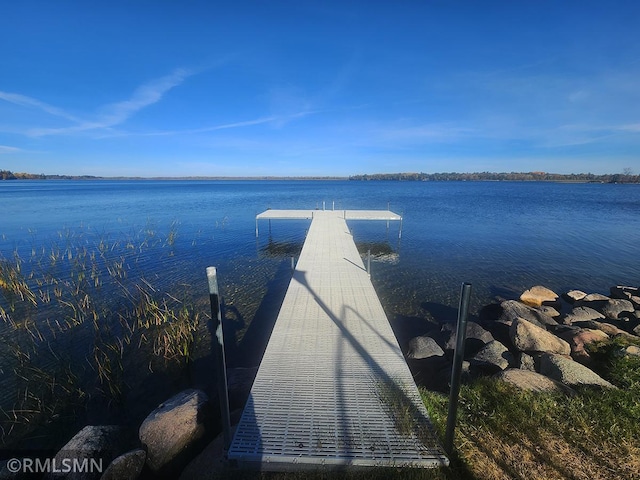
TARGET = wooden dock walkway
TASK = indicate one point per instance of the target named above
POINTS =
(333, 389)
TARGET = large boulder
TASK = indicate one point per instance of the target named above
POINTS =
(423, 347)
(493, 356)
(531, 381)
(569, 372)
(607, 328)
(512, 309)
(476, 338)
(94, 446)
(528, 337)
(127, 466)
(538, 296)
(616, 308)
(581, 314)
(577, 339)
(175, 431)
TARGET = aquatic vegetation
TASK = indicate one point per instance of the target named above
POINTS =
(73, 313)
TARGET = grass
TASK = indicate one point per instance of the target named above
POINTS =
(506, 433)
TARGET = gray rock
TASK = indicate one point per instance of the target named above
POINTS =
(126, 467)
(476, 338)
(424, 347)
(549, 310)
(574, 296)
(581, 314)
(528, 337)
(569, 372)
(538, 296)
(531, 381)
(526, 362)
(614, 308)
(625, 293)
(607, 328)
(93, 446)
(513, 309)
(636, 330)
(595, 297)
(174, 430)
(493, 354)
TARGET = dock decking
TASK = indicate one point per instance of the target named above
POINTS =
(333, 389)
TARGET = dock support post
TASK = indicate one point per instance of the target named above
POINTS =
(293, 264)
(369, 262)
(256, 227)
(461, 334)
(218, 350)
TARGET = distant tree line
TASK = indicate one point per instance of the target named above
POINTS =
(8, 175)
(625, 177)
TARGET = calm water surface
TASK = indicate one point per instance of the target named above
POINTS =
(502, 237)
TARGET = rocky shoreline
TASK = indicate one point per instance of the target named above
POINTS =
(536, 343)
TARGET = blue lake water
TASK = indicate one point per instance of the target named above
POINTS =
(502, 237)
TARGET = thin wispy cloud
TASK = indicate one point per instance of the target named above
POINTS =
(25, 101)
(108, 116)
(8, 149)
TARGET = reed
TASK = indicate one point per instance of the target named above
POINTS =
(81, 308)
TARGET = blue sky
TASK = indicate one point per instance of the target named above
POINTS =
(168, 88)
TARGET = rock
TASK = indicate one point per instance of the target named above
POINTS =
(614, 308)
(476, 338)
(423, 347)
(512, 309)
(528, 337)
(98, 445)
(595, 297)
(531, 381)
(526, 362)
(569, 372)
(580, 314)
(574, 296)
(593, 300)
(631, 350)
(577, 339)
(538, 296)
(549, 310)
(623, 292)
(637, 330)
(607, 328)
(493, 354)
(175, 430)
(126, 467)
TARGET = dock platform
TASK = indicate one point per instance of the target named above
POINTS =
(333, 389)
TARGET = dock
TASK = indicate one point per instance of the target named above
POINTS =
(333, 389)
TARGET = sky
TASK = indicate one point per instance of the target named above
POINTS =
(310, 88)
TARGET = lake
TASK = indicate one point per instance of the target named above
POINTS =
(157, 237)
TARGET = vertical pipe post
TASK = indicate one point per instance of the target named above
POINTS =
(369, 262)
(218, 350)
(256, 226)
(323, 205)
(293, 264)
(456, 370)
(333, 205)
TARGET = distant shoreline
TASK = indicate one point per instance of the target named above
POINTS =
(398, 177)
